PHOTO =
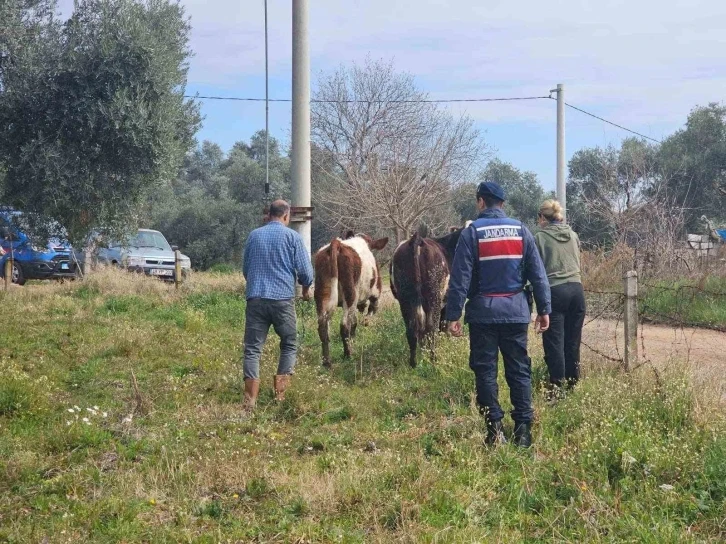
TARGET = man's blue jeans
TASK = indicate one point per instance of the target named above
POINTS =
(485, 343)
(259, 315)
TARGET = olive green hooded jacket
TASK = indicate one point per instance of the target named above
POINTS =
(559, 247)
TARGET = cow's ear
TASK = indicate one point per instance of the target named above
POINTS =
(348, 234)
(378, 244)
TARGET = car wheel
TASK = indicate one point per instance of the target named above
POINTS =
(18, 278)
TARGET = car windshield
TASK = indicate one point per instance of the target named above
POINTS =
(150, 239)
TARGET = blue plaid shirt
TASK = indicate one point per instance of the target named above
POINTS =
(275, 256)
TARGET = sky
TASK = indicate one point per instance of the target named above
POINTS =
(643, 64)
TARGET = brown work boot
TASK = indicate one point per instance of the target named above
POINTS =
(252, 389)
(281, 383)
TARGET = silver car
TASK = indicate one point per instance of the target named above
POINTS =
(147, 252)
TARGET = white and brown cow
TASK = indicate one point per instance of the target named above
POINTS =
(420, 270)
(346, 275)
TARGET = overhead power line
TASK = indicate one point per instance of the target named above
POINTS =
(421, 101)
(611, 123)
(433, 100)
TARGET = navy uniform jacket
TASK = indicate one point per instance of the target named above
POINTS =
(494, 282)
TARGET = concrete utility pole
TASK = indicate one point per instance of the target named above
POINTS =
(631, 319)
(300, 121)
(267, 112)
(561, 182)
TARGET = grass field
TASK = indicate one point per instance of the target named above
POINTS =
(700, 303)
(371, 451)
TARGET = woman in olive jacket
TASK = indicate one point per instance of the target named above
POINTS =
(559, 247)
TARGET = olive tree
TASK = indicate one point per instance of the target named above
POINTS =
(92, 110)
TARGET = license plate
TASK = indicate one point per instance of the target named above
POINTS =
(64, 266)
(161, 272)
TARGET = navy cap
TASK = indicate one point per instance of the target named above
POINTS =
(489, 188)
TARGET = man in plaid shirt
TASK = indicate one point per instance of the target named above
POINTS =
(275, 258)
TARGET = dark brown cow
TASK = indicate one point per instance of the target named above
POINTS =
(346, 275)
(419, 280)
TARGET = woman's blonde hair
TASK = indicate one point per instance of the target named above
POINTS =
(551, 210)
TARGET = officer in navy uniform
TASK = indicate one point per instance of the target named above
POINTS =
(495, 258)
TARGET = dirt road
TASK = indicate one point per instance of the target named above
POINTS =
(703, 349)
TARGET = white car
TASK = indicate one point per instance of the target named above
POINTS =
(147, 252)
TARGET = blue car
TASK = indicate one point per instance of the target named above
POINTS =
(32, 260)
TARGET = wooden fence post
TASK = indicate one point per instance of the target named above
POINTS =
(177, 268)
(8, 272)
(87, 263)
(631, 319)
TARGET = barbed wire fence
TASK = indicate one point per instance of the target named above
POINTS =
(604, 306)
(664, 320)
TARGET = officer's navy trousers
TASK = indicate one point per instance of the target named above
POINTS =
(486, 341)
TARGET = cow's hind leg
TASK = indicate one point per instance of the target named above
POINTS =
(409, 318)
(412, 344)
(347, 326)
(433, 321)
(442, 318)
(372, 309)
(324, 334)
(373, 306)
(353, 323)
(361, 309)
(428, 343)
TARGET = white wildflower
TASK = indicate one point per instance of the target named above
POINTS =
(96, 408)
(71, 410)
(105, 414)
(667, 487)
(85, 420)
(69, 423)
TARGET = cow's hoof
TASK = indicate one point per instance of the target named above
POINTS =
(327, 363)
(366, 321)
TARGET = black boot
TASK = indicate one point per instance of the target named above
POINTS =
(554, 391)
(523, 434)
(495, 433)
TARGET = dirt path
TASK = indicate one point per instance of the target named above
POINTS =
(704, 349)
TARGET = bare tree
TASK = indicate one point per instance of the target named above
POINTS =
(385, 157)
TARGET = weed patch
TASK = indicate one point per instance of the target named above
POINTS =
(16, 398)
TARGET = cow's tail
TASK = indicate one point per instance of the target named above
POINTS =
(392, 278)
(334, 249)
(419, 314)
